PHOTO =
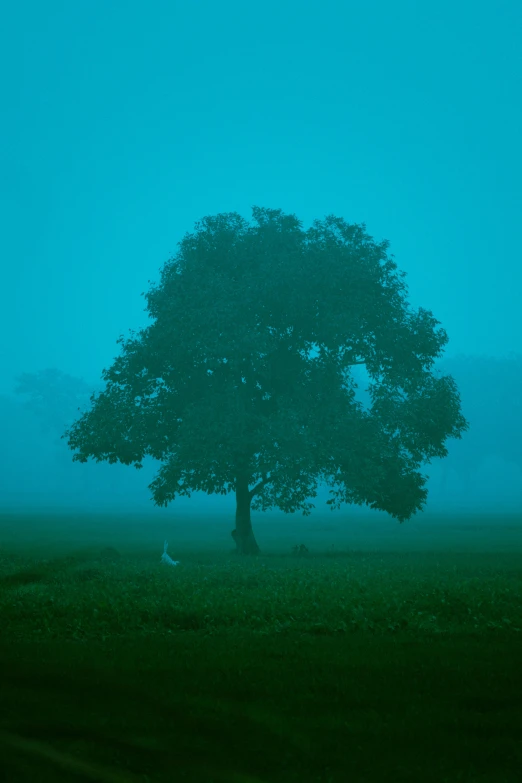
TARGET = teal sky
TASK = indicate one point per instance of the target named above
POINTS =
(124, 123)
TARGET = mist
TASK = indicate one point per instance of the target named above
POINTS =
(482, 472)
(109, 159)
(293, 160)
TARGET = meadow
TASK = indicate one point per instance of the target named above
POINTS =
(385, 652)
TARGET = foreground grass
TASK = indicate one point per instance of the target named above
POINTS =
(83, 596)
(334, 666)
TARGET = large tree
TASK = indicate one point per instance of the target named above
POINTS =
(223, 387)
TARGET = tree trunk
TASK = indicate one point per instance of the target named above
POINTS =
(243, 534)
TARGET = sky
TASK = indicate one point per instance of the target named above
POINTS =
(125, 123)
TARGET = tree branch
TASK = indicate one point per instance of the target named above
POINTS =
(259, 486)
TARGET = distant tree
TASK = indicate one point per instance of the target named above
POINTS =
(223, 390)
(14, 429)
(491, 391)
(54, 397)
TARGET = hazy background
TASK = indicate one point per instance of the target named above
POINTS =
(124, 123)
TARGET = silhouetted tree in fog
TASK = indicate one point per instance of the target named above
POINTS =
(221, 387)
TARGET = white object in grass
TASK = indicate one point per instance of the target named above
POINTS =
(167, 558)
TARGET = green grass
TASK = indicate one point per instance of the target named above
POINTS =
(398, 658)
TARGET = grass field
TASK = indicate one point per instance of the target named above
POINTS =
(387, 653)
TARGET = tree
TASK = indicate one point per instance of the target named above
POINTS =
(491, 389)
(223, 390)
(55, 398)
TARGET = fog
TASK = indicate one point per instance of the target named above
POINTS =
(483, 471)
(121, 135)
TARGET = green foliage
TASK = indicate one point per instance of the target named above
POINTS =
(260, 668)
(222, 383)
(87, 597)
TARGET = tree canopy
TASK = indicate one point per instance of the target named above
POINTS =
(223, 387)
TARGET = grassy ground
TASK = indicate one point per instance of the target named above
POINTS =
(397, 658)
